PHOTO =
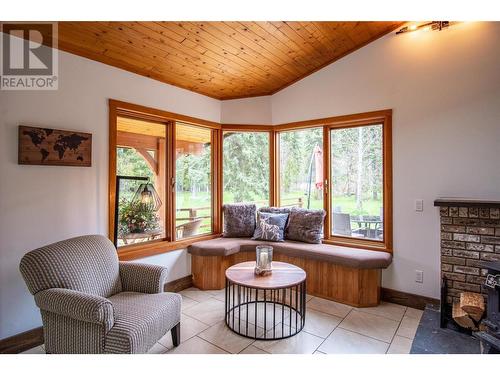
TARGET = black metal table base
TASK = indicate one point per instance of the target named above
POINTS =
(265, 314)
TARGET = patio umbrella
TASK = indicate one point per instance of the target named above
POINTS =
(317, 158)
(318, 166)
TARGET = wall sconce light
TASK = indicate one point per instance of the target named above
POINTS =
(434, 25)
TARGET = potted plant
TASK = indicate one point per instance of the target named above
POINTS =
(136, 217)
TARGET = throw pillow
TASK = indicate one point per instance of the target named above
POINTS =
(305, 225)
(270, 227)
(276, 210)
(239, 220)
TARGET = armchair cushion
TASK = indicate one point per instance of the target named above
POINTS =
(141, 320)
(142, 278)
(77, 305)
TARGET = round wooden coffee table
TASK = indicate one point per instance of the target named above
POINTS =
(266, 307)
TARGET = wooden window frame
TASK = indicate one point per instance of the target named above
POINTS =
(120, 108)
(383, 117)
(386, 121)
(169, 243)
(214, 196)
(277, 162)
(252, 129)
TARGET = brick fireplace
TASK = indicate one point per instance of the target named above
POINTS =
(470, 235)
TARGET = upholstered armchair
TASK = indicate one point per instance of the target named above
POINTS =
(92, 303)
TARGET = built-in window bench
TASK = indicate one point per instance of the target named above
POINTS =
(343, 274)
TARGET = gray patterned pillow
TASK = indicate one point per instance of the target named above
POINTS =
(270, 227)
(305, 225)
(239, 220)
(276, 210)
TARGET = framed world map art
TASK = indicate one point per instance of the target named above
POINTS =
(42, 146)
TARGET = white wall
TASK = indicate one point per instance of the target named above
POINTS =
(41, 204)
(444, 89)
(254, 111)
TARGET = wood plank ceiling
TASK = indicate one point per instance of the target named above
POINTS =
(223, 60)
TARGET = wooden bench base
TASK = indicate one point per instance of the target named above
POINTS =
(352, 286)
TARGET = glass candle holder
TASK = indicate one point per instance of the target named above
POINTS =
(264, 260)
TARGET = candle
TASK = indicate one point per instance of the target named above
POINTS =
(263, 260)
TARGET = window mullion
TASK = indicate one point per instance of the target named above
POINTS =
(170, 181)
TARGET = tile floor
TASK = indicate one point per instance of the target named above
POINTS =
(331, 328)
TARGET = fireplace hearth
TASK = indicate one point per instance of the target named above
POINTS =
(470, 265)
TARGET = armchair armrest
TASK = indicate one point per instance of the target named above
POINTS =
(142, 278)
(77, 305)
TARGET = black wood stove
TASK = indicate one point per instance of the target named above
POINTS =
(490, 339)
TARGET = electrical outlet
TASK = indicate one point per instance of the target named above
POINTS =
(419, 276)
(419, 205)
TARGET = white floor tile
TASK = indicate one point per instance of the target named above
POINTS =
(187, 303)
(189, 327)
(196, 345)
(387, 310)
(196, 294)
(221, 336)
(408, 327)
(218, 294)
(374, 326)
(414, 313)
(400, 345)
(342, 341)
(301, 343)
(252, 350)
(157, 349)
(209, 312)
(329, 307)
(319, 323)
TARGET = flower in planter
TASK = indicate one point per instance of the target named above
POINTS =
(136, 217)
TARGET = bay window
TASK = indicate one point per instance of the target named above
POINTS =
(169, 175)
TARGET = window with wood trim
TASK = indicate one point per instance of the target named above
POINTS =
(140, 180)
(193, 180)
(181, 169)
(301, 168)
(163, 190)
(356, 187)
(246, 167)
(358, 160)
(343, 165)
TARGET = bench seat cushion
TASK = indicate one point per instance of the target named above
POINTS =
(345, 256)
